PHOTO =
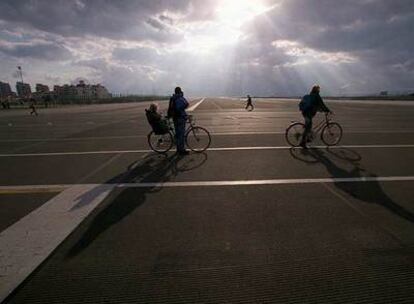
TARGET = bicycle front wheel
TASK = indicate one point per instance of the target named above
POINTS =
(331, 134)
(294, 134)
(197, 139)
(160, 143)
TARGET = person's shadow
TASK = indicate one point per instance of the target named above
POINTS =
(370, 192)
(153, 170)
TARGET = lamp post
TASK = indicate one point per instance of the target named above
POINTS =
(20, 72)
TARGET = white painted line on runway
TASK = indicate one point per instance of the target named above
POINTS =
(247, 133)
(210, 149)
(310, 147)
(192, 108)
(289, 181)
(267, 182)
(283, 132)
(28, 242)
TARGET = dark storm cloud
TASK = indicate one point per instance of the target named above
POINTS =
(125, 19)
(45, 51)
(354, 26)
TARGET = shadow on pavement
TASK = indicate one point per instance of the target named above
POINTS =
(370, 192)
(122, 201)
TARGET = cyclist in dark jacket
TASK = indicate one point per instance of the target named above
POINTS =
(317, 105)
(176, 110)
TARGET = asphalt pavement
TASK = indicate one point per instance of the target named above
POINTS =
(91, 215)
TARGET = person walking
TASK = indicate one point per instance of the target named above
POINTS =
(176, 110)
(249, 103)
(33, 106)
(309, 106)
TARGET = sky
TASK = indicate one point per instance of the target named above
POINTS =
(211, 47)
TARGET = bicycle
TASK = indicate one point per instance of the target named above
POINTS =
(331, 132)
(197, 138)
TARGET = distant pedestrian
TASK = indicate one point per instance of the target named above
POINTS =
(33, 106)
(249, 103)
(176, 110)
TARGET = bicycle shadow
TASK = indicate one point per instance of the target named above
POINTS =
(152, 170)
(369, 192)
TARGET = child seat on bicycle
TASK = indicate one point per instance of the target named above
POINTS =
(158, 124)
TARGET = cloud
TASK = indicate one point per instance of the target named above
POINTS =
(137, 46)
(43, 51)
(127, 19)
(139, 55)
(353, 26)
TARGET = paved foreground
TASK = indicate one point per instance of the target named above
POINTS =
(89, 215)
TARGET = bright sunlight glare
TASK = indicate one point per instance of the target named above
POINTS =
(226, 28)
(236, 12)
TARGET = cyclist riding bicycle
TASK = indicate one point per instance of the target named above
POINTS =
(309, 106)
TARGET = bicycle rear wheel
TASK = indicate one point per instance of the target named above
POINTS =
(294, 134)
(331, 134)
(197, 139)
(160, 143)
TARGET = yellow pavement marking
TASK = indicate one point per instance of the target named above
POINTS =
(32, 189)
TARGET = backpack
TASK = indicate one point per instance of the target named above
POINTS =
(306, 104)
(171, 108)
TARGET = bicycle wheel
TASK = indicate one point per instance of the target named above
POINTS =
(294, 134)
(160, 143)
(197, 139)
(331, 134)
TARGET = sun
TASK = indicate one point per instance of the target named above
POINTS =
(236, 12)
(226, 29)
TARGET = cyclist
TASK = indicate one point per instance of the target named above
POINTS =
(249, 103)
(311, 104)
(176, 110)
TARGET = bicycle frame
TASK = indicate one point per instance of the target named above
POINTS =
(321, 124)
(190, 124)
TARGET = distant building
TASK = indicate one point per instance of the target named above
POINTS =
(65, 92)
(23, 89)
(384, 93)
(5, 90)
(100, 92)
(81, 91)
(42, 89)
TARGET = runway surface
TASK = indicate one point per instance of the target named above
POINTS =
(90, 215)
